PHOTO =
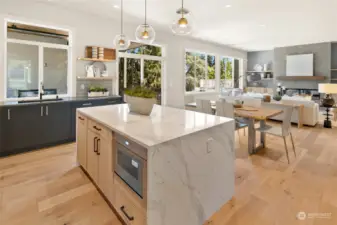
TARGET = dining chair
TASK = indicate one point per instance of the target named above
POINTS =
(204, 106)
(283, 131)
(226, 109)
(252, 102)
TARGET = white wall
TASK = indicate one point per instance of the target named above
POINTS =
(93, 30)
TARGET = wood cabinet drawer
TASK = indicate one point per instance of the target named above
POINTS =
(82, 119)
(127, 205)
(99, 129)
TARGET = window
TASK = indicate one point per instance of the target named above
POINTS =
(199, 71)
(140, 65)
(226, 73)
(35, 56)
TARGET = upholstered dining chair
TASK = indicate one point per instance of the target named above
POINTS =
(252, 102)
(204, 106)
(283, 131)
(226, 109)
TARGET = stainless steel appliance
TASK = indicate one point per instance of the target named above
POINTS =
(130, 163)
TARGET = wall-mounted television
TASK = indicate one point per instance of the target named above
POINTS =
(300, 65)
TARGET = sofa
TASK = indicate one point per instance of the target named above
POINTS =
(310, 111)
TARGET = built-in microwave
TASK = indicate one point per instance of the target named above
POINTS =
(129, 165)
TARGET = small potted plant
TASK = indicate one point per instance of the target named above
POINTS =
(140, 99)
(97, 92)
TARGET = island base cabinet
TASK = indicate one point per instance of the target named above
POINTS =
(81, 140)
(92, 157)
(125, 204)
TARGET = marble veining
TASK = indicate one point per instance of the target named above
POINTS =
(164, 123)
(188, 185)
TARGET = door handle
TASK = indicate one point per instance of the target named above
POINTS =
(98, 146)
(131, 218)
(95, 146)
(47, 110)
(87, 104)
(41, 110)
(9, 114)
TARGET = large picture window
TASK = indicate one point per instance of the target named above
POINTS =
(36, 57)
(199, 71)
(226, 72)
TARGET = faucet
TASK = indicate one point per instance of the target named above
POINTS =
(41, 90)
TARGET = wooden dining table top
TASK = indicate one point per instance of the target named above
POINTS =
(250, 112)
(256, 113)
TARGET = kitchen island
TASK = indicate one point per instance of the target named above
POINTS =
(172, 167)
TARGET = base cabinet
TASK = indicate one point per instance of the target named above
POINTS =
(96, 152)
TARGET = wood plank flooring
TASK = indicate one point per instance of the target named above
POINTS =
(47, 187)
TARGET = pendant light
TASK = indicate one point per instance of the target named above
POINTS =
(183, 24)
(145, 32)
(121, 41)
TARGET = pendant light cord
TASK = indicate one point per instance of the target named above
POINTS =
(145, 12)
(122, 17)
(182, 8)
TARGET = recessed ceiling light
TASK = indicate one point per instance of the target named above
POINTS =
(116, 6)
(228, 6)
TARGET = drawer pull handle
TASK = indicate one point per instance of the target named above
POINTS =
(111, 102)
(80, 118)
(98, 141)
(87, 104)
(131, 218)
(95, 144)
(96, 128)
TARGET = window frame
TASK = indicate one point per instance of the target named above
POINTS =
(218, 58)
(41, 46)
(206, 71)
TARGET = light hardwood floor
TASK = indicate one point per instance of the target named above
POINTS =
(47, 187)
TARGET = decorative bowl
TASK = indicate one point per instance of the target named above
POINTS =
(277, 98)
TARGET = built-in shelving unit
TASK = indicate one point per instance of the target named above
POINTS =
(308, 78)
(268, 71)
(265, 75)
(333, 74)
(95, 78)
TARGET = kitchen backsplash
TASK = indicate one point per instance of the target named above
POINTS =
(88, 83)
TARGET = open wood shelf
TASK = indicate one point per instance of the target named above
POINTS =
(95, 78)
(96, 60)
(268, 71)
(300, 78)
(333, 69)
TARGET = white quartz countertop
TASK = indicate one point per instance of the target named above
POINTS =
(164, 123)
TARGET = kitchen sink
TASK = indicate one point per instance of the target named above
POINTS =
(42, 100)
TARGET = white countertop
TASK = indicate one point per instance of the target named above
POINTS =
(164, 123)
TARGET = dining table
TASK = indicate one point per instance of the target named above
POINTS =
(251, 116)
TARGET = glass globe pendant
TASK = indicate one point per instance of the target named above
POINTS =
(145, 32)
(183, 24)
(121, 41)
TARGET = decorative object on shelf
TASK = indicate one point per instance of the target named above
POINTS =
(99, 67)
(97, 72)
(89, 70)
(98, 92)
(109, 54)
(277, 98)
(94, 52)
(183, 24)
(266, 98)
(328, 89)
(265, 67)
(258, 68)
(140, 100)
(121, 41)
(145, 32)
(105, 73)
(101, 53)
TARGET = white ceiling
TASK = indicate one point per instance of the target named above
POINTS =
(247, 24)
